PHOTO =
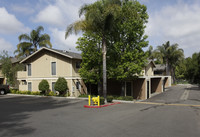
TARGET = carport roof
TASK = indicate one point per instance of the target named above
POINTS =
(159, 67)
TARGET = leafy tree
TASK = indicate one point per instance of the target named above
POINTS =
(30, 43)
(44, 86)
(193, 68)
(170, 55)
(124, 46)
(180, 70)
(125, 52)
(150, 52)
(8, 69)
(61, 85)
(99, 19)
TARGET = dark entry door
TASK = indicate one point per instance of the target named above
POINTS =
(147, 89)
(128, 89)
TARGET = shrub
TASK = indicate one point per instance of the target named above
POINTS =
(28, 92)
(44, 86)
(22, 92)
(120, 98)
(83, 95)
(13, 91)
(67, 94)
(51, 93)
(35, 93)
(102, 100)
(61, 86)
(128, 98)
(109, 98)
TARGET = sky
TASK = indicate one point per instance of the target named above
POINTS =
(177, 21)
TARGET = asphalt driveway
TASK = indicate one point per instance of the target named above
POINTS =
(56, 117)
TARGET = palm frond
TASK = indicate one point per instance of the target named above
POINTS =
(24, 37)
(45, 43)
(83, 9)
(75, 28)
(39, 29)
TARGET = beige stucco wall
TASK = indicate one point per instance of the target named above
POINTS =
(149, 70)
(41, 69)
(1, 75)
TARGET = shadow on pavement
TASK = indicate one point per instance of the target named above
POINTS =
(15, 110)
(194, 88)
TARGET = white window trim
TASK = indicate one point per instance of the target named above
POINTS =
(28, 70)
(51, 68)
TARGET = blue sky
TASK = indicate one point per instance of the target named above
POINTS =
(177, 21)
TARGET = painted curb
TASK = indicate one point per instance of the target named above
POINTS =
(86, 106)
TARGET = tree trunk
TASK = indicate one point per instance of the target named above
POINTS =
(167, 68)
(104, 69)
(100, 88)
(173, 75)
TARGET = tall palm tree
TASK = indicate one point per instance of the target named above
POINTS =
(99, 18)
(170, 55)
(30, 43)
(150, 52)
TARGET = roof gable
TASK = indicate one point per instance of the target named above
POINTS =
(67, 54)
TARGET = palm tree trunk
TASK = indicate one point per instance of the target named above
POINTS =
(104, 69)
(167, 68)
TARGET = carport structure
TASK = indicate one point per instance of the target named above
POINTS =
(150, 85)
(141, 88)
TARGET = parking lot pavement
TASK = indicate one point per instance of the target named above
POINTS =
(58, 117)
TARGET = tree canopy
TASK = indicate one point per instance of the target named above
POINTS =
(124, 42)
(192, 72)
(29, 43)
(8, 69)
(170, 55)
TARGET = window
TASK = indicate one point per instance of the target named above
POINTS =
(53, 68)
(53, 85)
(78, 64)
(29, 86)
(29, 69)
(78, 85)
(24, 82)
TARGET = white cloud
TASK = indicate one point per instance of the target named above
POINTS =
(61, 13)
(50, 15)
(22, 9)
(9, 23)
(4, 45)
(179, 23)
(58, 37)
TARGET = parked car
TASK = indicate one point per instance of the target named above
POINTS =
(4, 89)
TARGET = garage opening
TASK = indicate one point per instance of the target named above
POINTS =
(139, 88)
(156, 85)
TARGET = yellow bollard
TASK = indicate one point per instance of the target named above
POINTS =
(98, 101)
(89, 100)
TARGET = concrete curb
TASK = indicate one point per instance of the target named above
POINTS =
(80, 98)
(106, 105)
(9, 94)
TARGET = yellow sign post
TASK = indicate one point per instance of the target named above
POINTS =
(98, 101)
(89, 100)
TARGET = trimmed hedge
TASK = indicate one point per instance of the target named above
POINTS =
(83, 96)
(126, 98)
(110, 99)
(102, 100)
(61, 86)
(44, 86)
(25, 92)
